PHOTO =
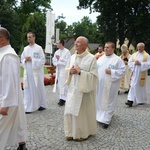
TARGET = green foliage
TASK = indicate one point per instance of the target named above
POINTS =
(31, 6)
(22, 70)
(69, 31)
(9, 19)
(62, 25)
(85, 28)
(120, 19)
(36, 23)
(92, 52)
(14, 16)
(21, 50)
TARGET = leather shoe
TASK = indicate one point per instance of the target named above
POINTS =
(28, 112)
(140, 103)
(129, 103)
(61, 102)
(68, 138)
(126, 92)
(41, 109)
(105, 126)
(22, 147)
(80, 139)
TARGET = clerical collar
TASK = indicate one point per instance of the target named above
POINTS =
(141, 52)
(110, 54)
(83, 54)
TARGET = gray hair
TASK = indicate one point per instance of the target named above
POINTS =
(141, 44)
(4, 33)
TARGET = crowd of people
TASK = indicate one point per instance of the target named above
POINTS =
(88, 86)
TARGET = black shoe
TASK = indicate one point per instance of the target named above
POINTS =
(129, 103)
(41, 109)
(28, 112)
(126, 92)
(22, 147)
(140, 103)
(105, 126)
(61, 102)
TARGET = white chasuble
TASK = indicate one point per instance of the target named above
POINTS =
(79, 84)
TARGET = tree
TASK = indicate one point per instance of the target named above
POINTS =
(138, 22)
(86, 28)
(9, 19)
(69, 31)
(28, 7)
(62, 25)
(14, 16)
(35, 23)
(119, 19)
(26, 10)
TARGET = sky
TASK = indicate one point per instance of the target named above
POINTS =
(69, 10)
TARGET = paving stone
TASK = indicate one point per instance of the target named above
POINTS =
(129, 128)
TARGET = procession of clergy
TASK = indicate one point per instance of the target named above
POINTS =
(88, 86)
(101, 84)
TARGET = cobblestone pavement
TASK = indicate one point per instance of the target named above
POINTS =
(129, 129)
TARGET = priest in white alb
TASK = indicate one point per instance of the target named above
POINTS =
(13, 126)
(33, 60)
(111, 68)
(139, 63)
(60, 59)
(80, 107)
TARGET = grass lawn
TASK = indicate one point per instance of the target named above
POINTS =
(21, 71)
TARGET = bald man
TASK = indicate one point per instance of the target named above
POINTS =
(80, 107)
(139, 63)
